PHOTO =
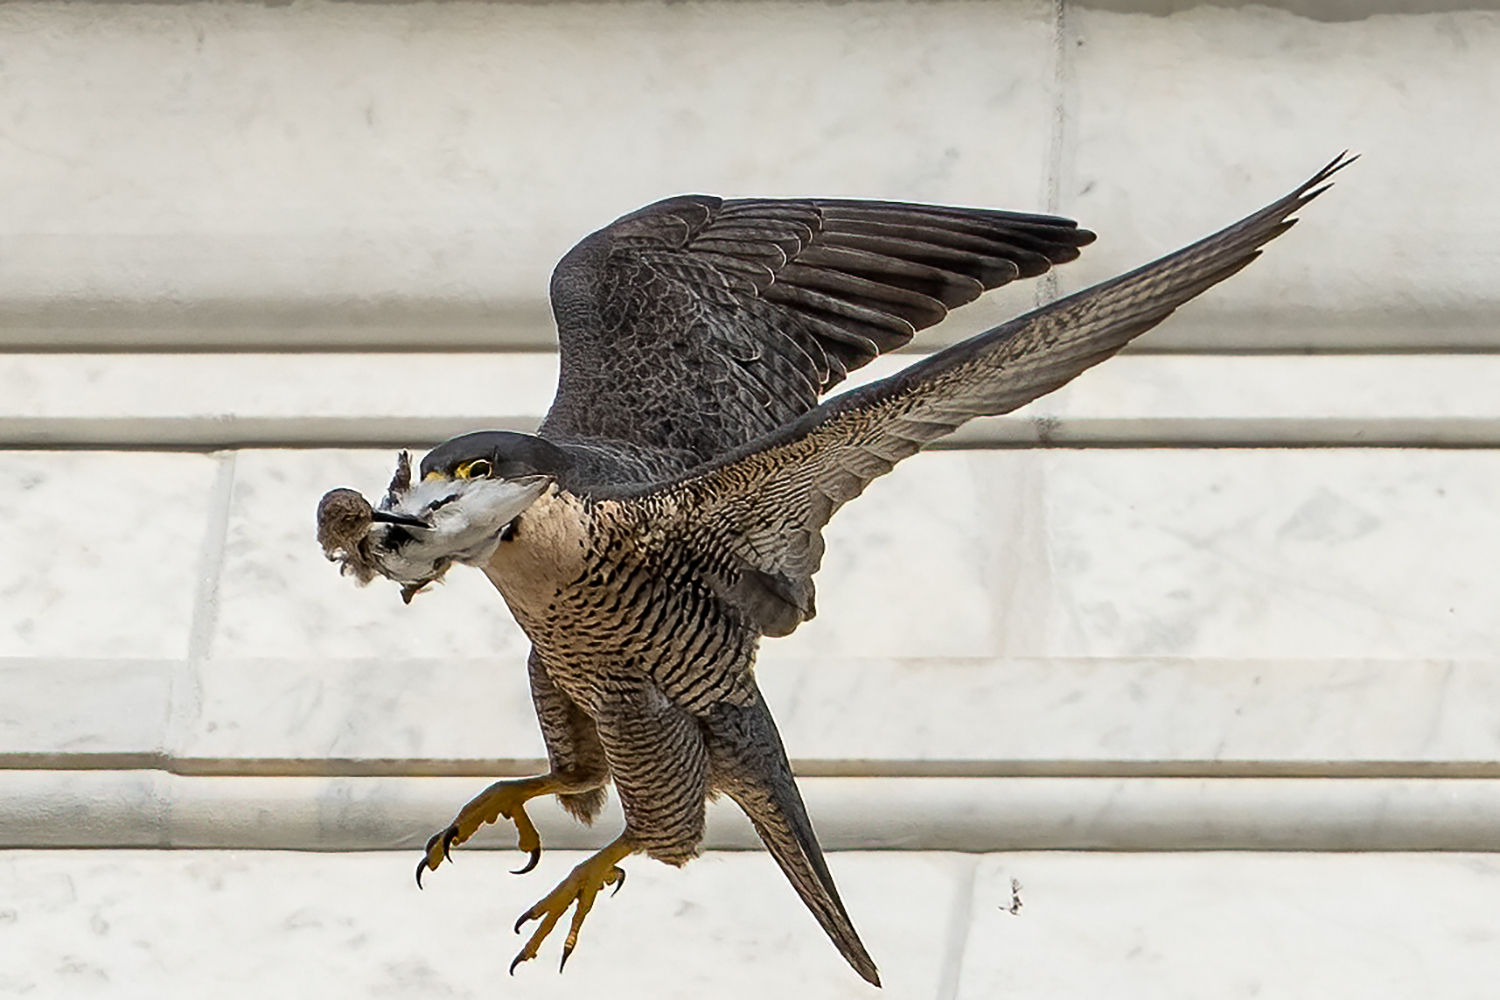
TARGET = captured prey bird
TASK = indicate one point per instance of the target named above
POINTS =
(669, 511)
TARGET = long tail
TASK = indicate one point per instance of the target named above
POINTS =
(750, 766)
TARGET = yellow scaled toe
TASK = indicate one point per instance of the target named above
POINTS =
(503, 798)
(581, 887)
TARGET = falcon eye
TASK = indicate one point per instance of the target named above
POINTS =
(477, 469)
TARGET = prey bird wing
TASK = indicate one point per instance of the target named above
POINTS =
(697, 324)
(767, 501)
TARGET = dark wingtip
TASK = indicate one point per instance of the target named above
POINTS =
(1340, 162)
(1319, 182)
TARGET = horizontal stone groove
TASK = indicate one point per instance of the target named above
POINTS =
(233, 327)
(265, 400)
(1320, 10)
(1330, 7)
(1324, 10)
(336, 767)
(217, 434)
(220, 433)
(48, 343)
(447, 328)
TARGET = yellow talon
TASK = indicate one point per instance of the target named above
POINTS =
(581, 887)
(502, 799)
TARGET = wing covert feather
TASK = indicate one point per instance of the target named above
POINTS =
(695, 325)
(767, 502)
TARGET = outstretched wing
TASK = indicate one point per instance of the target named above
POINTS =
(764, 505)
(697, 324)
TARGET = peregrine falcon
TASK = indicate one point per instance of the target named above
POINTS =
(669, 511)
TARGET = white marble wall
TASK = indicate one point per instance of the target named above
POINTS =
(456, 150)
(1164, 927)
(107, 550)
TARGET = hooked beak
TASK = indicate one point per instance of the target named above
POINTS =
(386, 517)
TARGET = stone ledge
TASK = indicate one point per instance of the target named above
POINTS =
(1154, 130)
(431, 326)
(1320, 10)
(236, 925)
(840, 717)
(1215, 554)
(208, 402)
(153, 808)
(107, 550)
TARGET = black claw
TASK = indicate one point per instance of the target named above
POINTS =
(516, 961)
(618, 885)
(448, 836)
(567, 950)
(421, 866)
(521, 921)
(386, 517)
(536, 855)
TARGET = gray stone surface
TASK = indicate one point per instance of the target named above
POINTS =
(355, 710)
(1301, 927)
(1234, 106)
(370, 194)
(1260, 554)
(457, 150)
(56, 711)
(358, 400)
(847, 715)
(1276, 554)
(245, 924)
(249, 924)
(104, 552)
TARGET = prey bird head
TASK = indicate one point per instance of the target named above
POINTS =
(470, 491)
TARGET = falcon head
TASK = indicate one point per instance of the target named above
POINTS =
(471, 490)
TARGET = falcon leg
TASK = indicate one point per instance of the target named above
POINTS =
(503, 798)
(581, 887)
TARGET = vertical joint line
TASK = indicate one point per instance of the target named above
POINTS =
(958, 929)
(184, 698)
(1046, 289)
(211, 559)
